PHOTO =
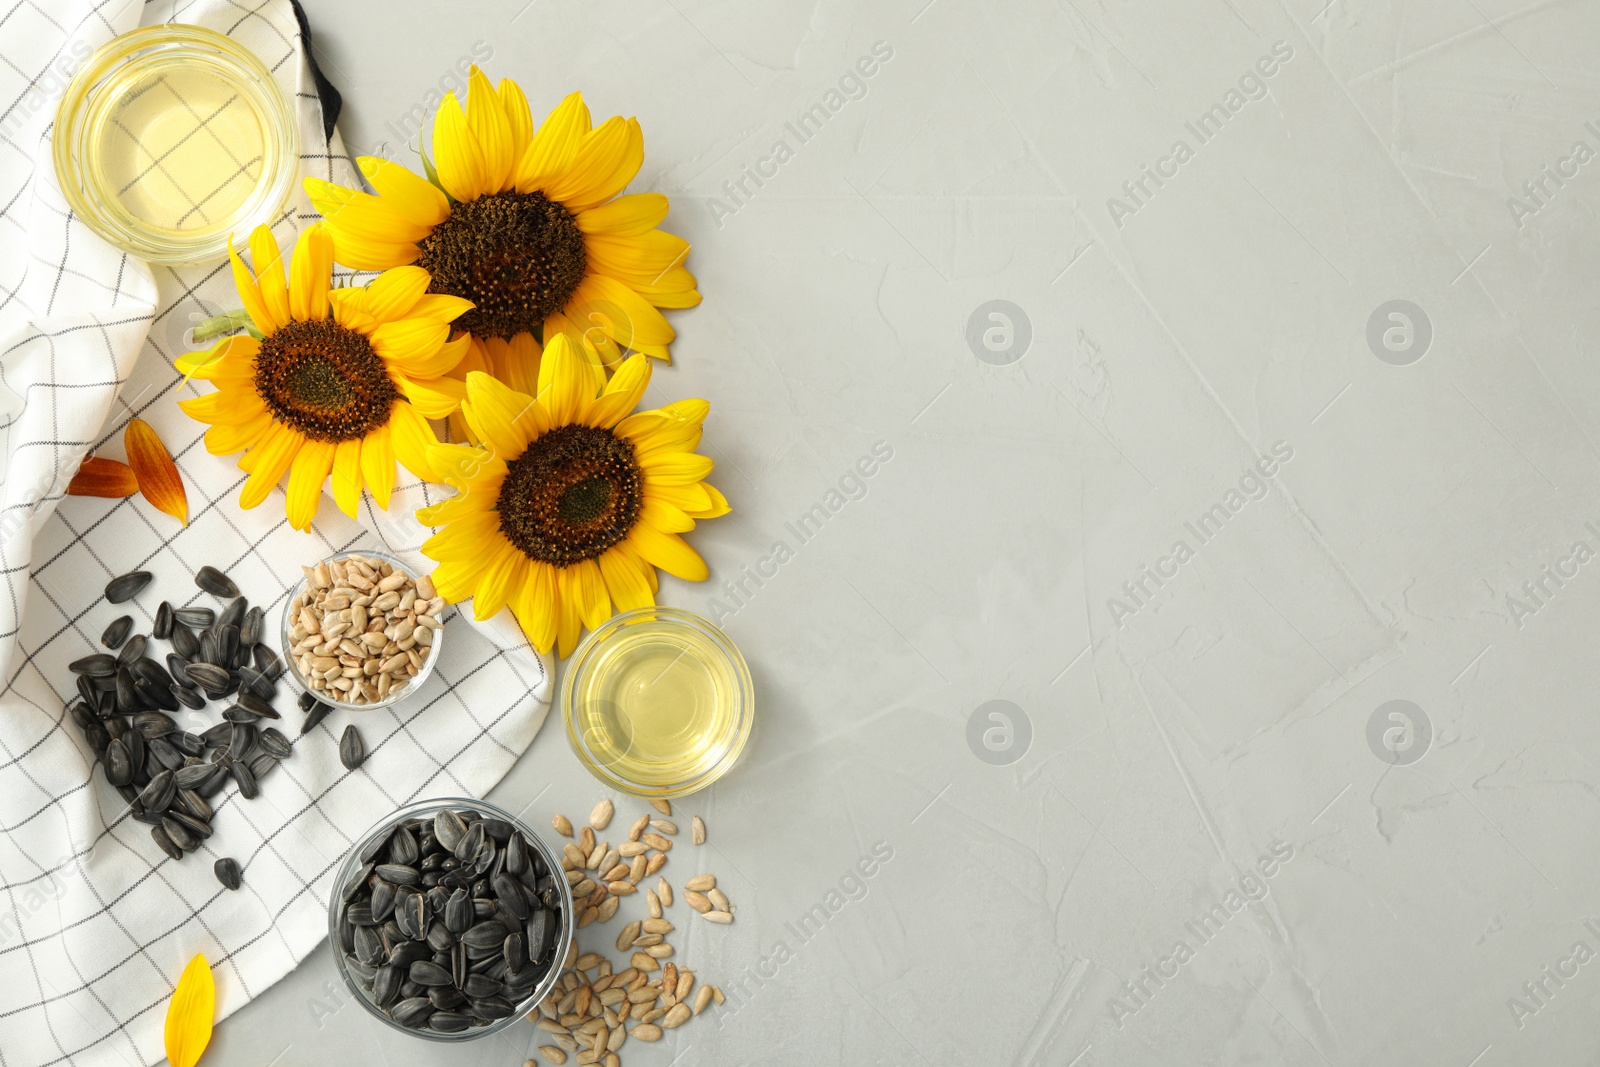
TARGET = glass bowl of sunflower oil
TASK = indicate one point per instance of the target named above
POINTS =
(658, 702)
(170, 138)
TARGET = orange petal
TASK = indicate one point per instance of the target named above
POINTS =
(152, 465)
(103, 477)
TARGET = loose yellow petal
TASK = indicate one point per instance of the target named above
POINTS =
(306, 475)
(191, 1014)
(486, 118)
(309, 271)
(456, 154)
(347, 476)
(377, 465)
(410, 194)
(268, 264)
(554, 145)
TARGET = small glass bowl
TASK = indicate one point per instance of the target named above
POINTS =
(423, 809)
(595, 722)
(292, 665)
(171, 138)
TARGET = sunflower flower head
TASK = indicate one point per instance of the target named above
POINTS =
(571, 500)
(341, 383)
(527, 224)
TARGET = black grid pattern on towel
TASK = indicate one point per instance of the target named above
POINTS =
(95, 921)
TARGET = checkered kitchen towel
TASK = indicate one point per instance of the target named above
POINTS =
(95, 923)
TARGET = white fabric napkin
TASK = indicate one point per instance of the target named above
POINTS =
(95, 922)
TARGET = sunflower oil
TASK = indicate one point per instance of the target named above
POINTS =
(657, 703)
(175, 148)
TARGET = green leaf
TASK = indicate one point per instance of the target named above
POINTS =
(433, 176)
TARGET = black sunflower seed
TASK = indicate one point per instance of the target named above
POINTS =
(217, 736)
(215, 582)
(426, 972)
(160, 696)
(119, 767)
(126, 586)
(233, 614)
(541, 930)
(360, 915)
(471, 844)
(412, 1013)
(369, 948)
(150, 671)
(448, 829)
(515, 950)
(458, 914)
(386, 985)
(274, 743)
(194, 775)
(128, 699)
(448, 1022)
(132, 650)
(485, 935)
(481, 985)
(241, 739)
(157, 796)
(398, 873)
(509, 892)
(198, 618)
(184, 641)
(213, 679)
(403, 847)
(492, 1008)
(250, 628)
(351, 751)
(153, 724)
(382, 899)
(162, 838)
(210, 650)
(180, 834)
(439, 938)
(117, 632)
(198, 827)
(228, 873)
(98, 665)
(189, 744)
(234, 713)
(254, 704)
(256, 683)
(189, 698)
(267, 662)
(313, 720)
(245, 777)
(262, 764)
(192, 802)
(161, 627)
(178, 667)
(163, 753)
(133, 741)
(82, 715)
(227, 645)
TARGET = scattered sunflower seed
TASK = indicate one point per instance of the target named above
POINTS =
(351, 751)
(117, 632)
(127, 586)
(214, 582)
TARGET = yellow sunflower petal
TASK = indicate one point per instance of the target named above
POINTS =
(669, 518)
(635, 323)
(690, 496)
(409, 340)
(457, 579)
(448, 356)
(605, 163)
(435, 398)
(418, 199)
(410, 435)
(362, 215)
(440, 306)
(250, 294)
(363, 253)
(393, 294)
(456, 154)
(554, 145)
(568, 620)
(667, 435)
(224, 405)
(232, 358)
(268, 264)
(516, 362)
(667, 551)
(486, 118)
(590, 341)
(501, 417)
(465, 538)
(347, 476)
(625, 580)
(564, 385)
(270, 458)
(306, 474)
(519, 120)
(226, 438)
(473, 501)
(498, 582)
(377, 465)
(594, 605)
(626, 216)
(535, 605)
(671, 468)
(719, 503)
(309, 271)
(622, 394)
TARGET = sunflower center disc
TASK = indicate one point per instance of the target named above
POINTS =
(573, 494)
(517, 256)
(324, 380)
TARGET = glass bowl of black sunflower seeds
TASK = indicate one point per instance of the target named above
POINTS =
(451, 919)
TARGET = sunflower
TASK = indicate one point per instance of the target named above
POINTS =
(527, 225)
(570, 503)
(341, 382)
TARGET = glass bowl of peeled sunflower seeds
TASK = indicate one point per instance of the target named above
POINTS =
(450, 920)
(361, 630)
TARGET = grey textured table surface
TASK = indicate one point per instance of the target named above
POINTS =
(1199, 504)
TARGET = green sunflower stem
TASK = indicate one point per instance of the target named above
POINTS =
(229, 322)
